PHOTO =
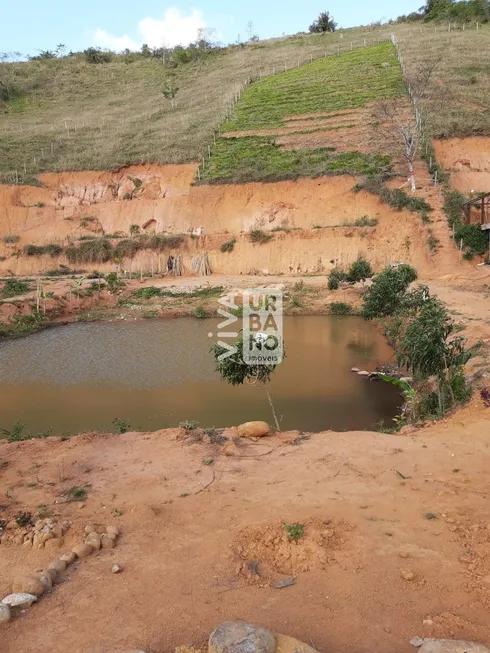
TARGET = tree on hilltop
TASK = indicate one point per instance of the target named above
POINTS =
(324, 23)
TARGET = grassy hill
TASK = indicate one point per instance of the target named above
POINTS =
(74, 115)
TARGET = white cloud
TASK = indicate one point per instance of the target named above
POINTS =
(105, 40)
(173, 29)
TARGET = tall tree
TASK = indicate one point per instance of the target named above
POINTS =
(324, 23)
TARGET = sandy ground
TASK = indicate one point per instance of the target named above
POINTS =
(364, 499)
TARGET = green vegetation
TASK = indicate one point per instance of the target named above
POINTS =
(259, 236)
(200, 312)
(234, 370)
(397, 198)
(360, 270)
(327, 85)
(425, 342)
(340, 308)
(475, 241)
(294, 531)
(258, 158)
(38, 95)
(189, 424)
(365, 221)
(14, 287)
(335, 277)
(11, 239)
(19, 325)
(387, 294)
(152, 291)
(77, 493)
(36, 250)
(228, 246)
(121, 425)
(17, 433)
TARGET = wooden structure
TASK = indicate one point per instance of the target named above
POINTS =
(480, 205)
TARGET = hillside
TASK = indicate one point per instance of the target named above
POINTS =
(74, 115)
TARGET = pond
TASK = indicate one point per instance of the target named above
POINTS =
(154, 374)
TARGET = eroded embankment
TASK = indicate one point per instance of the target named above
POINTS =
(468, 161)
(313, 218)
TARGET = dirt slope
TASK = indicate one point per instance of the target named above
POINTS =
(182, 549)
(468, 161)
(312, 211)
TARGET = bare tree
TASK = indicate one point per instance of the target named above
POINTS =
(399, 125)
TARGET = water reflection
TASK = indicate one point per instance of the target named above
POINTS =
(157, 373)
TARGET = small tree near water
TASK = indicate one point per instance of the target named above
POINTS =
(234, 370)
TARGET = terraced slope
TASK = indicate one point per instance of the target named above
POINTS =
(309, 121)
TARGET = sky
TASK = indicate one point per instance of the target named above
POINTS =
(31, 25)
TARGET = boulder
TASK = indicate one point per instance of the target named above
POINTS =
(113, 530)
(241, 637)
(4, 613)
(285, 644)
(253, 430)
(451, 646)
(20, 599)
(28, 585)
(363, 373)
(82, 550)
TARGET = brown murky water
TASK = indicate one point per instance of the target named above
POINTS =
(156, 373)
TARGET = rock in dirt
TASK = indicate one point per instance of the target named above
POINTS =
(407, 574)
(69, 558)
(285, 582)
(450, 646)
(82, 550)
(107, 542)
(289, 437)
(94, 540)
(116, 569)
(241, 637)
(19, 600)
(45, 577)
(58, 566)
(89, 528)
(285, 644)
(28, 585)
(253, 430)
(230, 448)
(113, 530)
(355, 369)
(363, 373)
(4, 613)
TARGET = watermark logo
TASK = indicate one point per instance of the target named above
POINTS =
(261, 326)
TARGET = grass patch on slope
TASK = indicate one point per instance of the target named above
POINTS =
(331, 84)
(255, 158)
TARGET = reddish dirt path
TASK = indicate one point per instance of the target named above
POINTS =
(180, 572)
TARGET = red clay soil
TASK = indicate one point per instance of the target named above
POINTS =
(377, 509)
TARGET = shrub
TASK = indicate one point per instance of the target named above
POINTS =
(259, 236)
(340, 308)
(474, 239)
(134, 229)
(90, 251)
(295, 531)
(96, 55)
(201, 312)
(33, 250)
(11, 239)
(113, 282)
(365, 221)
(360, 270)
(13, 287)
(335, 277)
(126, 248)
(228, 246)
(189, 424)
(147, 293)
(387, 293)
